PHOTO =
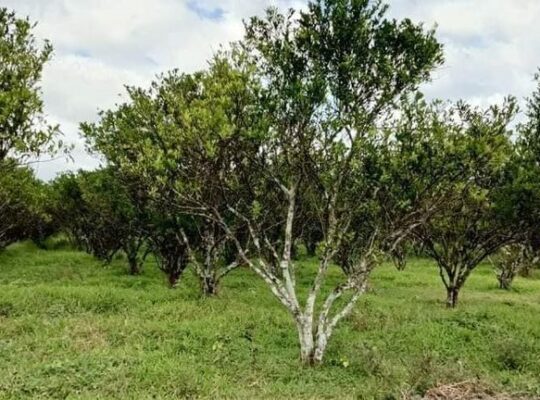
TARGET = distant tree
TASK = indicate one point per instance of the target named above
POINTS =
(510, 261)
(168, 245)
(22, 212)
(399, 257)
(96, 210)
(24, 131)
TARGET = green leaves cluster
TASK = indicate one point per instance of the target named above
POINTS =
(24, 131)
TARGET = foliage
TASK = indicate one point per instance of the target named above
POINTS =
(24, 131)
(173, 137)
(512, 260)
(95, 209)
(465, 160)
(288, 113)
(22, 206)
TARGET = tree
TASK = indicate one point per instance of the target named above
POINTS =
(24, 131)
(168, 246)
(525, 191)
(179, 113)
(22, 207)
(295, 116)
(95, 208)
(510, 261)
(469, 154)
(331, 75)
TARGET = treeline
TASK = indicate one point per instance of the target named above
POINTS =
(309, 133)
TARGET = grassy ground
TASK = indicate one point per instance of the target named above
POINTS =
(71, 328)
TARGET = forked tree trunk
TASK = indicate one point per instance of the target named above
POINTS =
(400, 262)
(506, 277)
(174, 269)
(314, 325)
(209, 285)
(505, 282)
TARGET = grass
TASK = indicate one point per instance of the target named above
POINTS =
(72, 328)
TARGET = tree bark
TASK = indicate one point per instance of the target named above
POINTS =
(505, 279)
(305, 335)
(173, 277)
(209, 285)
(452, 296)
(134, 265)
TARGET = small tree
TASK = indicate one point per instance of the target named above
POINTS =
(399, 257)
(469, 153)
(168, 245)
(97, 211)
(179, 114)
(510, 261)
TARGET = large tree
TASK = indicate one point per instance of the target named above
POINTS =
(289, 120)
(331, 74)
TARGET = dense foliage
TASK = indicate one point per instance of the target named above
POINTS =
(24, 131)
(23, 206)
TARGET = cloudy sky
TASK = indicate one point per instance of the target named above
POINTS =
(492, 49)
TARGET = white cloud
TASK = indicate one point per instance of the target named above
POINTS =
(492, 48)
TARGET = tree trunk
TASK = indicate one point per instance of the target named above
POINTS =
(505, 279)
(173, 277)
(504, 283)
(311, 248)
(452, 296)
(134, 266)
(318, 353)
(525, 271)
(175, 271)
(399, 258)
(209, 285)
(307, 346)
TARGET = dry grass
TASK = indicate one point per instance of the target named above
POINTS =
(468, 390)
(87, 337)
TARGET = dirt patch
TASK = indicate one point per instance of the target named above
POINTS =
(469, 391)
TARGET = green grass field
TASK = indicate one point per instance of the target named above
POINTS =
(72, 328)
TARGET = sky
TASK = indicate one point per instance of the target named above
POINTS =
(492, 49)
